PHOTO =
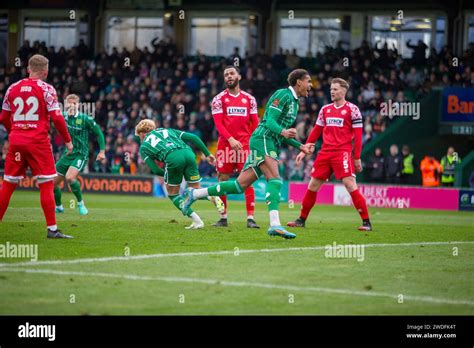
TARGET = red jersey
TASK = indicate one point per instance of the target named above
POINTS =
(28, 107)
(235, 115)
(339, 125)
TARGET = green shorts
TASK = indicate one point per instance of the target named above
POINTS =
(181, 163)
(260, 147)
(72, 160)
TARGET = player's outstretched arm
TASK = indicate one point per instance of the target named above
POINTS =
(194, 139)
(292, 142)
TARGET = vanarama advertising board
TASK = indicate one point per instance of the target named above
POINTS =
(113, 184)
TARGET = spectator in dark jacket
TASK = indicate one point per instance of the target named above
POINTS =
(376, 167)
(419, 52)
(393, 165)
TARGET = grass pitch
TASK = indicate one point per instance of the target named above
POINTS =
(415, 262)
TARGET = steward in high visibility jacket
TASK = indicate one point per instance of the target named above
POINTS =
(408, 166)
(449, 163)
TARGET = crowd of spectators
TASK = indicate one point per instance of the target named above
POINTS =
(123, 87)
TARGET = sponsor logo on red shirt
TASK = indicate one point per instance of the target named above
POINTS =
(334, 121)
(236, 111)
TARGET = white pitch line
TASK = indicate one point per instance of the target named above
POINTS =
(204, 253)
(244, 284)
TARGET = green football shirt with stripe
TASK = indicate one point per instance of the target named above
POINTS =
(169, 146)
(266, 140)
(280, 113)
(79, 127)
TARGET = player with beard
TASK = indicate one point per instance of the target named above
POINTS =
(235, 116)
(265, 144)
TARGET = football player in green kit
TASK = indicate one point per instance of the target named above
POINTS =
(169, 146)
(280, 114)
(71, 165)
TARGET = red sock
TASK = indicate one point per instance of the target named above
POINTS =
(360, 204)
(308, 203)
(5, 195)
(47, 202)
(250, 200)
(224, 199)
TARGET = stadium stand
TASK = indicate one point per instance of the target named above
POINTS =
(175, 90)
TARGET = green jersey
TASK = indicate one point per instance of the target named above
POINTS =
(79, 127)
(280, 113)
(158, 143)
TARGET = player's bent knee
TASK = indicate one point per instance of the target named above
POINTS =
(71, 178)
(172, 190)
(245, 180)
(315, 185)
(243, 184)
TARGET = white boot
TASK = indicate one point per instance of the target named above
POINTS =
(195, 226)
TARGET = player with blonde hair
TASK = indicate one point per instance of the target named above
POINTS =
(169, 146)
(70, 165)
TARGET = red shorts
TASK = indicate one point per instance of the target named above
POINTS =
(39, 157)
(340, 163)
(229, 161)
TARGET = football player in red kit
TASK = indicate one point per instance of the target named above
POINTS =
(28, 107)
(340, 123)
(235, 116)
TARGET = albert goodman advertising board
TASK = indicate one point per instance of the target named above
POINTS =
(114, 184)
